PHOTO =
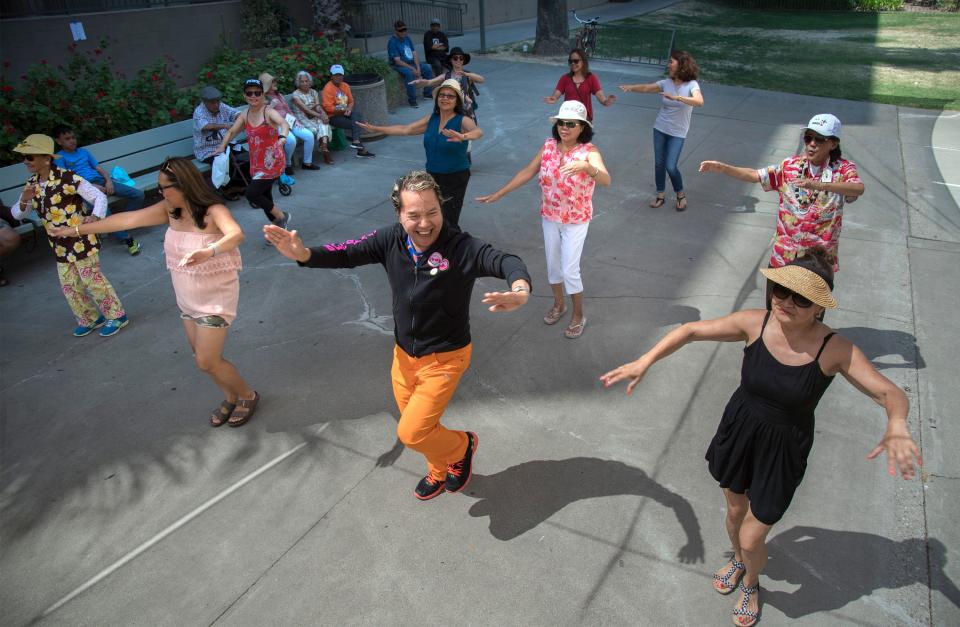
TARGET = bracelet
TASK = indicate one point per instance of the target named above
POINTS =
(77, 227)
(520, 288)
(213, 246)
(596, 171)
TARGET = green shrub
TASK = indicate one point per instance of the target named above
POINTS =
(90, 96)
(879, 5)
(228, 68)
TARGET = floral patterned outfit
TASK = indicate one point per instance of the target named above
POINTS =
(566, 208)
(807, 218)
(310, 100)
(58, 200)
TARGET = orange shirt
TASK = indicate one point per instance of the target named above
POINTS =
(335, 100)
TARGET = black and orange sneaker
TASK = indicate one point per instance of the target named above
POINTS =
(428, 488)
(458, 475)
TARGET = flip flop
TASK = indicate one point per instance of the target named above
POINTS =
(658, 202)
(553, 316)
(575, 330)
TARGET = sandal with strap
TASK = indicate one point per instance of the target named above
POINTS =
(575, 330)
(244, 410)
(553, 316)
(681, 202)
(658, 201)
(742, 612)
(221, 414)
(726, 585)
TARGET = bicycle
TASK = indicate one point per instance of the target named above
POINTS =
(587, 36)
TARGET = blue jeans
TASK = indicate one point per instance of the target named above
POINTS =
(134, 201)
(407, 74)
(666, 153)
(291, 145)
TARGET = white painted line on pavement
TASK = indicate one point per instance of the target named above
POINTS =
(120, 563)
(947, 184)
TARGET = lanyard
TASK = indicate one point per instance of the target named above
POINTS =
(412, 251)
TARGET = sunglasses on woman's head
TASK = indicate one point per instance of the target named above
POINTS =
(813, 137)
(783, 293)
(568, 123)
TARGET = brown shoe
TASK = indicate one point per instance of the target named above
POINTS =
(327, 158)
(244, 411)
(221, 414)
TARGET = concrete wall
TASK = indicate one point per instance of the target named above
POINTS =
(189, 33)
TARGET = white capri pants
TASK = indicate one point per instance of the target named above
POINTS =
(563, 244)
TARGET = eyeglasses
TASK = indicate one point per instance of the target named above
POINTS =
(252, 94)
(813, 137)
(573, 61)
(29, 158)
(782, 293)
(567, 123)
(401, 30)
(456, 57)
(446, 96)
(163, 188)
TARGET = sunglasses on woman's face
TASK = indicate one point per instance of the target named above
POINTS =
(573, 61)
(252, 94)
(813, 137)
(567, 123)
(456, 57)
(29, 158)
(446, 96)
(783, 293)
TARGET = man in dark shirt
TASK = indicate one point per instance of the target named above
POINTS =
(435, 47)
(431, 268)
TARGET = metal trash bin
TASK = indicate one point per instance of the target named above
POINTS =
(369, 99)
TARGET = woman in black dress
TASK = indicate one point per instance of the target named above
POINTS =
(759, 452)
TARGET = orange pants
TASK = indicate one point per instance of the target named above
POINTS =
(423, 386)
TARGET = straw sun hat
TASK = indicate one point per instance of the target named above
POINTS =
(804, 277)
(36, 144)
(450, 83)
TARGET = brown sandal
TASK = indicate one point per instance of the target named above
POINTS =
(681, 202)
(244, 410)
(221, 414)
(658, 202)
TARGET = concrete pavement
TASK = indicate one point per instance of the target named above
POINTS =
(120, 506)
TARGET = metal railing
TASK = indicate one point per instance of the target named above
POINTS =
(631, 44)
(26, 8)
(375, 18)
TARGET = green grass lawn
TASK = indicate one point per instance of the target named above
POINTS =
(906, 59)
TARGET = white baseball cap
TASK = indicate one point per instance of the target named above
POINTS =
(572, 110)
(826, 124)
(336, 69)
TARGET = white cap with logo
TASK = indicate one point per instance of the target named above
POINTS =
(826, 124)
(336, 69)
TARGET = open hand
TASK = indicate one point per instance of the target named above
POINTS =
(811, 184)
(196, 256)
(902, 453)
(626, 88)
(287, 243)
(61, 231)
(453, 136)
(367, 126)
(633, 371)
(505, 301)
(550, 99)
(489, 198)
(575, 166)
(610, 100)
(710, 166)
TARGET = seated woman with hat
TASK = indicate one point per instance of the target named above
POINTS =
(759, 453)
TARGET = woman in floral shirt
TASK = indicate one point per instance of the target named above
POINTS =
(569, 168)
(813, 187)
(57, 195)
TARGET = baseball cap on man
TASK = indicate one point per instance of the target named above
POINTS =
(826, 124)
(400, 25)
(434, 21)
(336, 69)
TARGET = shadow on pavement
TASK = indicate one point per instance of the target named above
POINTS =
(523, 496)
(876, 343)
(834, 568)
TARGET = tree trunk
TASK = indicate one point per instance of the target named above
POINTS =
(553, 36)
(329, 17)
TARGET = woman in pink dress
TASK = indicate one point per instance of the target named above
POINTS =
(569, 168)
(201, 248)
(267, 133)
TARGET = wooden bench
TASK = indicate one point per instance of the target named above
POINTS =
(140, 154)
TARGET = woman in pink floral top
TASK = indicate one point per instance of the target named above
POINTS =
(569, 168)
(813, 187)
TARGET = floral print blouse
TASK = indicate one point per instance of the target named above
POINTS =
(807, 218)
(567, 199)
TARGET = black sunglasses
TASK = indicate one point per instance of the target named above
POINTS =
(783, 293)
(456, 57)
(568, 123)
(574, 61)
(252, 94)
(29, 158)
(163, 188)
(811, 137)
(401, 30)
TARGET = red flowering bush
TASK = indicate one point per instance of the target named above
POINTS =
(90, 96)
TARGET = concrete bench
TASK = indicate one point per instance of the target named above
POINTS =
(140, 154)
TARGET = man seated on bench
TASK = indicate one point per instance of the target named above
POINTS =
(403, 58)
(211, 119)
(83, 164)
(9, 238)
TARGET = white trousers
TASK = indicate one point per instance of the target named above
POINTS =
(563, 244)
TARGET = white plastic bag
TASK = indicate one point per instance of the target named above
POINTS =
(220, 170)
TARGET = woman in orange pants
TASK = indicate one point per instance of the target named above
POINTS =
(432, 270)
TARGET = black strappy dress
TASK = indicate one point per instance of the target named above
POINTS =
(766, 431)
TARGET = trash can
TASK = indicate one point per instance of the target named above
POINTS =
(369, 99)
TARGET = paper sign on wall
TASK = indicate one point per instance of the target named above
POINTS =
(76, 29)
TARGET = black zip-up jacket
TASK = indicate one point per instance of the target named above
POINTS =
(431, 301)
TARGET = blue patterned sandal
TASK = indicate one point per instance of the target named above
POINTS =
(743, 612)
(726, 585)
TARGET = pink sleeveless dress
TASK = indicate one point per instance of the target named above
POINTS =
(209, 288)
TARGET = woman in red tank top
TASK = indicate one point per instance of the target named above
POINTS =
(267, 133)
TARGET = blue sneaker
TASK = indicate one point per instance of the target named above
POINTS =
(82, 330)
(286, 179)
(112, 327)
